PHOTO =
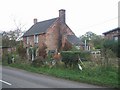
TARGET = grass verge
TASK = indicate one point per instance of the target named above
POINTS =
(97, 75)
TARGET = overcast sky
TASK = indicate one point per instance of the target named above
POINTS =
(97, 16)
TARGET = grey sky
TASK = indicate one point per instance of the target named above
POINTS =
(97, 16)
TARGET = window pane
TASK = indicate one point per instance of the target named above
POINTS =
(36, 39)
(27, 40)
(115, 38)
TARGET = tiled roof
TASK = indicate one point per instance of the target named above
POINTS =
(40, 27)
(74, 40)
(116, 29)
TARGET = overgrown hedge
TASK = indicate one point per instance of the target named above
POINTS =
(70, 58)
(21, 51)
(111, 45)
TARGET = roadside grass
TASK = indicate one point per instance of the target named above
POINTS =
(96, 75)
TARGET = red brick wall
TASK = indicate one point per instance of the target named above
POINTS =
(41, 40)
(65, 30)
(53, 37)
(65, 44)
(110, 35)
(30, 41)
(24, 41)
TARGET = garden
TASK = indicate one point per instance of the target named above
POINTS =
(102, 70)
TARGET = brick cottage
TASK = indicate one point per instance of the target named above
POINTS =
(53, 33)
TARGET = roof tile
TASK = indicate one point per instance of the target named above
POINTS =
(40, 27)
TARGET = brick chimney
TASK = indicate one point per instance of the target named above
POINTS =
(35, 20)
(62, 15)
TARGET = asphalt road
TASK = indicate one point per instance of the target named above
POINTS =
(16, 78)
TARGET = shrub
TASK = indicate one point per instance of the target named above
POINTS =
(74, 48)
(32, 51)
(85, 55)
(7, 58)
(70, 58)
(42, 51)
(21, 51)
(39, 61)
(110, 49)
(111, 45)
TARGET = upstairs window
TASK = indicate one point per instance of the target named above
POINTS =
(115, 38)
(35, 38)
(27, 40)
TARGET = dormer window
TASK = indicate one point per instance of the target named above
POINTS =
(35, 38)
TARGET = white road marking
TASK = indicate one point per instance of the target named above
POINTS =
(5, 82)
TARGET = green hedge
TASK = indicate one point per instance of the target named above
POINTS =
(70, 58)
(111, 45)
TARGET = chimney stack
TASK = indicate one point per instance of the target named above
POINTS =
(62, 15)
(35, 20)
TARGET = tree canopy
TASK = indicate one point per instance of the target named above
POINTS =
(92, 39)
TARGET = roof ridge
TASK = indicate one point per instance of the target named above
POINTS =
(117, 28)
(39, 27)
(46, 20)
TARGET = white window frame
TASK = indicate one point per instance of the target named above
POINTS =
(116, 38)
(35, 38)
(27, 40)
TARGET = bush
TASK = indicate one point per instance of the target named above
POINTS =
(39, 61)
(42, 51)
(74, 48)
(6, 58)
(32, 51)
(70, 58)
(85, 56)
(110, 49)
(111, 45)
(21, 51)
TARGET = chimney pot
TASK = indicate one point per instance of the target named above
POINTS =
(35, 20)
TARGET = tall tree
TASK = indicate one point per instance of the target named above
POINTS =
(92, 39)
(9, 38)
